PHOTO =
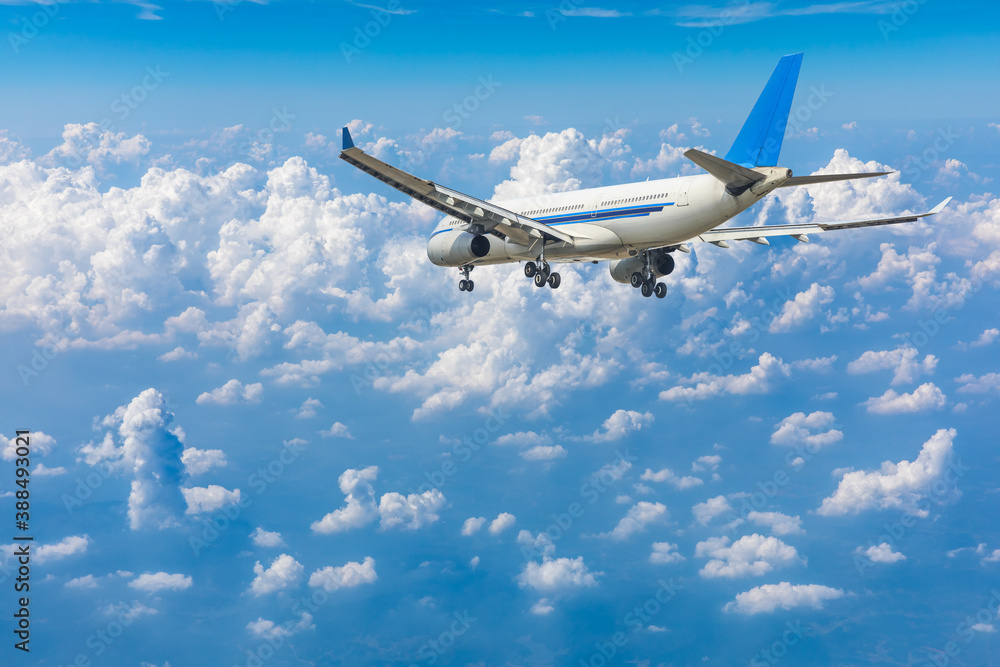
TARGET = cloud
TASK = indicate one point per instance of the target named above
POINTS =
(896, 485)
(759, 380)
(542, 607)
(780, 524)
(348, 575)
(706, 511)
(667, 475)
(231, 393)
(706, 463)
(412, 511)
(544, 453)
(41, 470)
(556, 574)
(523, 439)
(308, 408)
(665, 553)
(263, 538)
(360, 507)
(69, 546)
(199, 461)
(882, 553)
(796, 313)
(503, 521)
(770, 597)
(983, 384)
(266, 629)
(472, 525)
(620, 424)
(210, 498)
(87, 582)
(925, 397)
(177, 354)
(284, 572)
(640, 515)
(154, 582)
(338, 430)
(40, 445)
(801, 429)
(750, 555)
(903, 361)
(988, 337)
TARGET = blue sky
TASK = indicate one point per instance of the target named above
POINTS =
(269, 431)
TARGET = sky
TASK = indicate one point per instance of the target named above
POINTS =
(265, 430)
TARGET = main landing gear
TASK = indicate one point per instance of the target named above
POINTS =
(542, 275)
(646, 281)
(465, 284)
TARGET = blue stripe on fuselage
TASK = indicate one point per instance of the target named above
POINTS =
(586, 216)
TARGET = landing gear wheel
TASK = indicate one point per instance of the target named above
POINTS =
(636, 279)
(469, 285)
(660, 290)
(554, 280)
(530, 269)
(647, 289)
(540, 279)
(463, 285)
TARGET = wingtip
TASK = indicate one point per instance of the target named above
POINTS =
(348, 142)
(940, 207)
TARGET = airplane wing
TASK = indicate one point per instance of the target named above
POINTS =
(482, 214)
(761, 233)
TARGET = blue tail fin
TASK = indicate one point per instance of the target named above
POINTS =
(759, 142)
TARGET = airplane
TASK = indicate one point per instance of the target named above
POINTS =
(635, 226)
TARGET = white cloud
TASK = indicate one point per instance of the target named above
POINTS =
(338, 430)
(91, 145)
(988, 337)
(667, 475)
(85, 582)
(523, 439)
(780, 524)
(41, 470)
(503, 521)
(69, 546)
(209, 498)
(983, 384)
(200, 461)
(640, 515)
(801, 429)
(544, 453)
(308, 408)
(750, 555)
(895, 485)
(264, 538)
(542, 607)
(472, 525)
(882, 553)
(348, 575)
(412, 511)
(984, 627)
(770, 597)
(40, 445)
(802, 308)
(665, 553)
(620, 424)
(360, 507)
(925, 397)
(231, 393)
(759, 380)
(177, 354)
(903, 361)
(706, 511)
(266, 629)
(709, 463)
(284, 572)
(555, 574)
(154, 582)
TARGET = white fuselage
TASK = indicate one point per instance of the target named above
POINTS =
(610, 222)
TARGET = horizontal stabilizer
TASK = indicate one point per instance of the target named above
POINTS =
(737, 178)
(829, 178)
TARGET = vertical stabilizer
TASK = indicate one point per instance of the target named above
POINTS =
(759, 142)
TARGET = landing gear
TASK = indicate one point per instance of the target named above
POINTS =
(542, 274)
(465, 285)
(637, 279)
(646, 281)
(530, 269)
(554, 280)
(660, 290)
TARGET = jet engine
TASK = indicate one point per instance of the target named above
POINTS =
(660, 262)
(457, 248)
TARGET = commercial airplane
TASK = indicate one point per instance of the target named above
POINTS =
(637, 226)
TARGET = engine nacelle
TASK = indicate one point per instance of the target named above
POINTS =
(457, 248)
(660, 261)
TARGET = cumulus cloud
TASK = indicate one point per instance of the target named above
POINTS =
(199, 461)
(780, 524)
(411, 511)
(209, 498)
(709, 463)
(503, 521)
(231, 393)
(40, 445)
(337, 430)
(154, 582)
(970, 384)
(802, 308)
(813, 430)
(266, 629)
(925, 397)
(69, 546)
(556, 574)
(665, 553)
(770, 597)
(640, 515)
(544, 453)
(881, 553)
(523, 439)
(348, 575)
(896, 485)
(768, 371)
(284, 572)
(308, 408)
(704, 512)
(360, 506)
(750, 555)
(904, 362)
(620, 424)
(264, 538)
(472, 525)
(667, 475)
